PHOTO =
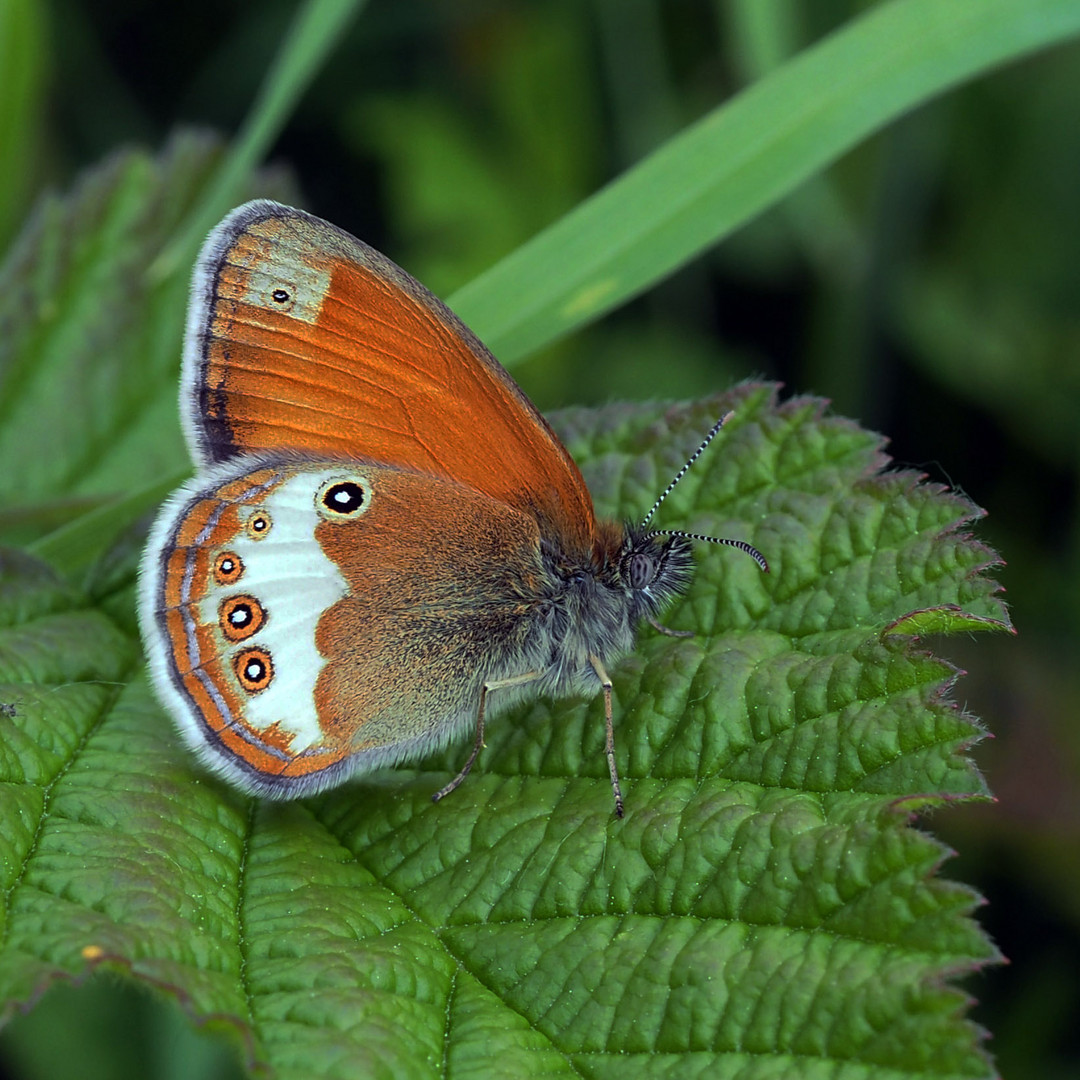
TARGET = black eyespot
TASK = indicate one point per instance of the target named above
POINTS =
(254, 669)
(640, 569)
(344, 498)
(258, 525)
(240, 617)
(280, 296)
(228, 567)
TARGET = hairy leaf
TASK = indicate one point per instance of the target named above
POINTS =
(89, 344)
(765, 905)
(766, 908)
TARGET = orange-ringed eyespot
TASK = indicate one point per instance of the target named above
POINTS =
(254, 669)
(228, 567)
(240, 617)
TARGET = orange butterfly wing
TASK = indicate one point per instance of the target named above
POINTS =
(301, 337)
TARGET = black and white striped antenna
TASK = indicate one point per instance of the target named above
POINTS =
(742, 545)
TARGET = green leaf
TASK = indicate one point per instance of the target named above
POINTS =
(766, 904)
(767, 907)
(743, 157)
(80, 322)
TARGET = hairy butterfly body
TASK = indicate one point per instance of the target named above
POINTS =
(384, 539)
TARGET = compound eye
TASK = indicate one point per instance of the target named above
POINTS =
(641, 569)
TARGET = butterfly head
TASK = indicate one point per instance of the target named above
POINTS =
(655, 568)
(655, 565)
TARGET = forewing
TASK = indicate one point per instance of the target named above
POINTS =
(301, 337)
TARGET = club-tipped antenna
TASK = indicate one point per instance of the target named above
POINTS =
(742, 545)
(713, 431)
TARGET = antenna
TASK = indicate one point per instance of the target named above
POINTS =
(742, 545)
(713, 431)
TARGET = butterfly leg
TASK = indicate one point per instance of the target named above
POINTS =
(497, 684)
(609, 728)
(667, 629)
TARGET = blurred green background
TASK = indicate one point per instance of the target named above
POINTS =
(928, 284)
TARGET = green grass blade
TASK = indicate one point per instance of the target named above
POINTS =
(316, 30)
(23, 78)
(744, 156)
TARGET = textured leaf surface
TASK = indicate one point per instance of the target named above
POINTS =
(89, 345)
(765, 909)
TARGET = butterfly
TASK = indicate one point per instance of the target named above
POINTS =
(384, 543)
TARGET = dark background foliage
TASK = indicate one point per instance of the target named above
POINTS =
(928, 285)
